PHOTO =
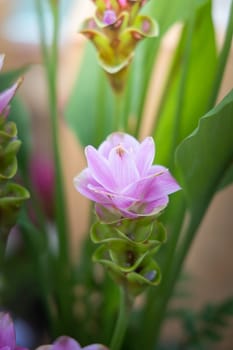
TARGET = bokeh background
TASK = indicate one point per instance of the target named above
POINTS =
(210, 261)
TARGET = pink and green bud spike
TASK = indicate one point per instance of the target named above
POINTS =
(115, 30)
(129, 192)
(11, 195)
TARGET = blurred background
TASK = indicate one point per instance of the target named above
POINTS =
(210, 262)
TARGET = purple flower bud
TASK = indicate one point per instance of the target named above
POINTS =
(121, 178)
(7, 95)
(7, 333)
(67, 343)
(109, 17)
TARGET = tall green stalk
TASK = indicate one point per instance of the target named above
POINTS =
(222, 59)
(50, 57)
(122, 321)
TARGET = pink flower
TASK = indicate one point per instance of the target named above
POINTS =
(67, 343)
(7, 95)
(42, 178)
(7, 333)
(120, 177)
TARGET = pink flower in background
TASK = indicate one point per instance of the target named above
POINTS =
(7, 333)
(7, 95)
(67, 343)
(121, 178)
(42, 178)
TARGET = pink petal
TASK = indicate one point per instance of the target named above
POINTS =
(66, 343)
(123, 167)
(6, 96)
(114, 199)
(95, 347)
(99, 168)
(7, 331)
(116, 139)
(145, 155)
(146, 189)
(156, 206)
(167, 182)
(1, 60)
(82, 183)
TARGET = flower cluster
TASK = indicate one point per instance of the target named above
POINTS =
(115, 31)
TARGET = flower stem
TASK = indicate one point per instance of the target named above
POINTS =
(50, 57)
(122, 321)
(119, 122)
(222, 59)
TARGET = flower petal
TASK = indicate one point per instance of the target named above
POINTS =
(7, 331)
(1, 60)
(123, 167)
(116, 139)
(145, 155)
(99, 168)
(83, 183)
(66, 343)
(95, 347)
(150, 208)
(7, 95)
(146, 189)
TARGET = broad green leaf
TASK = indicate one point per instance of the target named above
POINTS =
(166, 13)
(90, 108)
(206, 155)
(179, 114)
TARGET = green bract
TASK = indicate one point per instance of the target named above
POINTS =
(11, 195)
(127, 250)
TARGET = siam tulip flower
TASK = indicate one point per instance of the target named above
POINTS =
(67, 343)
(122, 180)
(7, 95)
(7, 333)
(115, 30)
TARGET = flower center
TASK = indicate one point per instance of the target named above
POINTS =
(109, 17)
(120, 151)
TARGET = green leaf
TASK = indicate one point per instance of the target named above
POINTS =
(166, 13)
(11, 198)
(185, 101)
(89, 110)
(206, 155)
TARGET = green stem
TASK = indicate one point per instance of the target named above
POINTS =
(156, 302)
(222, 59)
(61, 214)
(119, 123)
(50, 57)
(122, 321)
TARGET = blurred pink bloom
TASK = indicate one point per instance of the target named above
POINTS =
(7, 95)
(42, 178)
(7, 333)
(120, 177)
(67, 343)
